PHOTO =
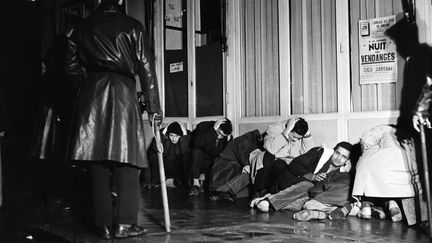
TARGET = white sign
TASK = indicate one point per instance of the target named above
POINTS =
(378, 57)
(176, 67)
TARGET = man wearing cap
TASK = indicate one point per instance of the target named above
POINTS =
(208, 140)
(176, 155)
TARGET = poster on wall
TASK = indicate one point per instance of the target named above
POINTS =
(378, 56)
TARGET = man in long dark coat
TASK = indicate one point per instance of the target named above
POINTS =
(104, 54)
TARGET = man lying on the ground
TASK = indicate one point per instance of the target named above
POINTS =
(330, 195)
(314, 169)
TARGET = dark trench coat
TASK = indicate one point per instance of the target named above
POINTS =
(103, 55)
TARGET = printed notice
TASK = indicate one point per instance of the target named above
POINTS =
(378, 57)
(176, 67)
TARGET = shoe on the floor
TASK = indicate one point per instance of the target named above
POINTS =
(365, 211)
(355, 209)
(256, 200)
(378, 212)
(128, 230)
(264, 206)
(104, 232)
(195, 191)
(395, 212)
(340, 212)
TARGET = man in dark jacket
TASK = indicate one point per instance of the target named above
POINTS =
(309, 174)
(228, 175)
(208, 140)
(176, 154)
(103, 56)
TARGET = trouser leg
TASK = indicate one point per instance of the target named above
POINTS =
(285, 197)
(201, 162)
(101, 193)
(128, 193)
(263, 178)
(238, 183)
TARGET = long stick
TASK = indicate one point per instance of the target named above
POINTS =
(426, 175)
(162, 177)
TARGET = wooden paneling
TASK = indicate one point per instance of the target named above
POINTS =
(372, 97)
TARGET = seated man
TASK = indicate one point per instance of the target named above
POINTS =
(283, 142)
(306, 171)
(176, 155)
(227, 180)
(385, 173)
(331, 190)
(209, 139)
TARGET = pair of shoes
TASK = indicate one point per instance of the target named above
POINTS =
(394, 210)
(368, 211)
(129, 230)
(195, 191)
(306, 215)
(104, 232)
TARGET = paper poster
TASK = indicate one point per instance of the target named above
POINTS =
(378, 56)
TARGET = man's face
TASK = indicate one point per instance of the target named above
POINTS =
(174, 138)
(340, 156)
(294, 137)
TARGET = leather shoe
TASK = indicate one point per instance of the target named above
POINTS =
(127, 230)
(104, 232)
